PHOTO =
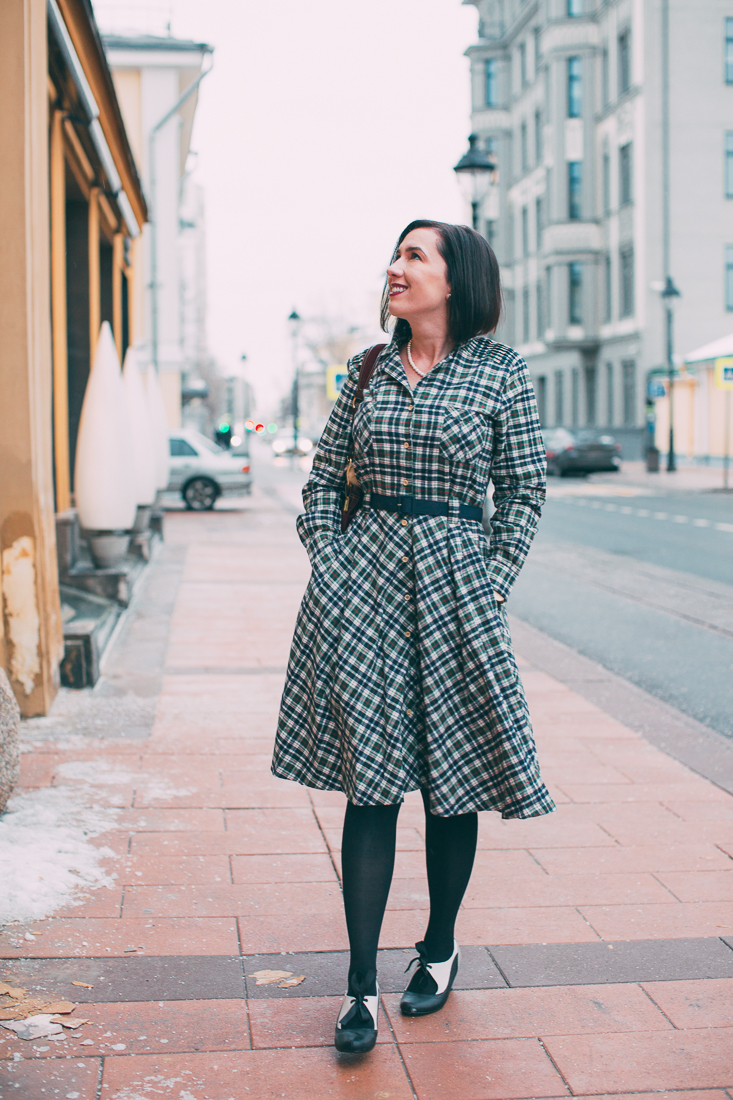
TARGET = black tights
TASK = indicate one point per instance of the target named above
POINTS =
(367, 860)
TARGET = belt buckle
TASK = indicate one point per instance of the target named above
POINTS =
(406, 506)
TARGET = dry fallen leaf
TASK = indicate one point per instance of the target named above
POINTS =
(84, 985)
(292, 981)
(70, 1023)
(58, 1007)
(269, 977)
(17, 994)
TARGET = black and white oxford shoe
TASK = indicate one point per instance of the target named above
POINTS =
(431, 983)
(356, 1026)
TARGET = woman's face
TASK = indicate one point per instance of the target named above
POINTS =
(418, 278)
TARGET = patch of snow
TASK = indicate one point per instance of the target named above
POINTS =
(98, 773)
(46, 860)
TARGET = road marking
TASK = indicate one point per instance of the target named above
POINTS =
(626, 510)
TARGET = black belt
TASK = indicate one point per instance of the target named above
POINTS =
(411, 506)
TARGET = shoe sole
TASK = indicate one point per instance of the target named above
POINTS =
(346, 1045)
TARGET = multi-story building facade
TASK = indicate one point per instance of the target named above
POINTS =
(156, 79)
(611, 122)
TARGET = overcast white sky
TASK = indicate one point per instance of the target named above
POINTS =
(323, 129)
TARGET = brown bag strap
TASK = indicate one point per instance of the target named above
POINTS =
(366, 371)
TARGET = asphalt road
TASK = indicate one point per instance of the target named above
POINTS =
(641, 584)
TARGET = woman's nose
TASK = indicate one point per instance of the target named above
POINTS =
(394, 270)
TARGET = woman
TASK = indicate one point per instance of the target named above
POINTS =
(402, 675)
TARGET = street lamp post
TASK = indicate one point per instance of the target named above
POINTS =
(475, 172)
(669, 296)
(294, 321)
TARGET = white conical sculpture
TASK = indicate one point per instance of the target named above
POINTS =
(159, 425)
(143, 453)
(103, 482)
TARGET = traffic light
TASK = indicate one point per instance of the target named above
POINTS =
(223, 434)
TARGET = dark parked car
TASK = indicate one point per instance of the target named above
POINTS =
(580, 452)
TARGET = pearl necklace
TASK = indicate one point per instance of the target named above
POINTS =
(422, 373)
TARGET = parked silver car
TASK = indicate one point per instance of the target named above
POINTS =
(203, 472)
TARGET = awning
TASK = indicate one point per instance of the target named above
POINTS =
(715, 350)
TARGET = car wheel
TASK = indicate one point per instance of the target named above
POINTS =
(552, 469)
(200, 494)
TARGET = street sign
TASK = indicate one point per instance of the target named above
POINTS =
(724, 373)
(656, 389)
(335, 378)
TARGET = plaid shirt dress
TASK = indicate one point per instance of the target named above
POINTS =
(401, 673)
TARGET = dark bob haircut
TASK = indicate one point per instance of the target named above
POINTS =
(475, 303)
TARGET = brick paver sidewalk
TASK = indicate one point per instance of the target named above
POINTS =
(595, 963)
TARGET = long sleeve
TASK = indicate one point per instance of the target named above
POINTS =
(322, 494)
(518, 472)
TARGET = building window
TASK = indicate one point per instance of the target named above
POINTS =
(537, 49)
(559, 397)
(540, 313)
(575, 8)
(524, 146)
(575, 88)
(491, 90)
(491, 232)
(625, 178)
(729, 276)
(610, 405)
(525, 314)
(575, 189)
(607, 290)
(624, 62)
(628, 370)
(605, 78)
(606, 183)
(525, 231)
(538, 150)
(523, 64)
(590, 396)
(575, 397)
(626, 272)
(541, 393)
(539, 219)
(729, 51)
(729, 164)
(575, 294)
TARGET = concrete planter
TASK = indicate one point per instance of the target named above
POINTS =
(159, 427)
(143, 451)
(104, 481)
(9, 735)
(142, 519)
(108, 547)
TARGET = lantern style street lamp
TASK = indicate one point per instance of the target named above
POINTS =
(669, 296)
(475, 172)
(294, 322)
